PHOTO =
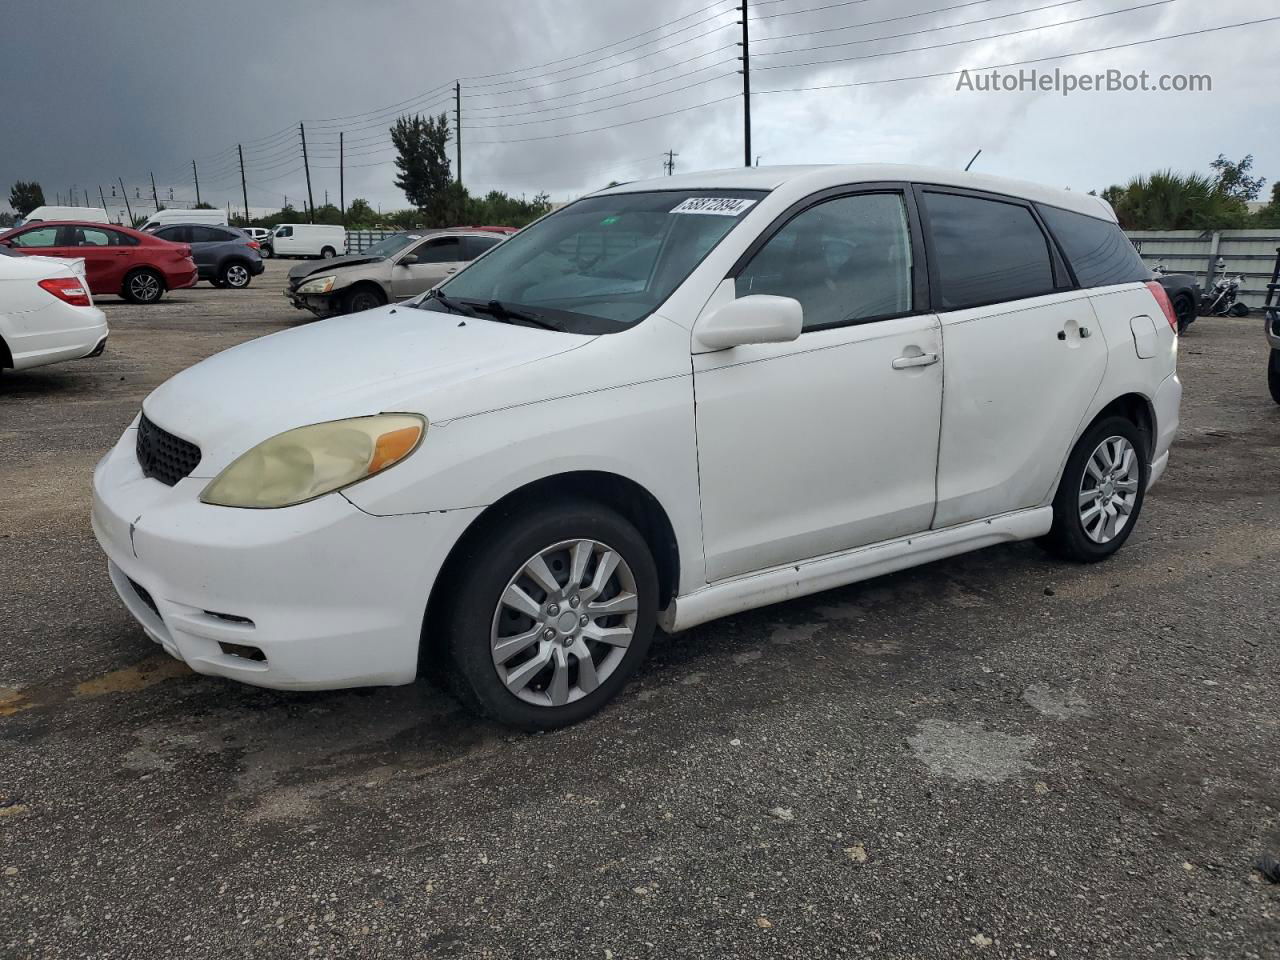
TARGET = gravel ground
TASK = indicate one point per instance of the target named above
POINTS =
(992, 756)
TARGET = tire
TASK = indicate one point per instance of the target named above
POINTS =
(1070, 538)
(143, 286)
(1239, 309)
(361, 299)
(328, 253)
(475, 618)
(265, 251)
(215, 282)
(1273, 375)
(1184, 308)
(235, 275)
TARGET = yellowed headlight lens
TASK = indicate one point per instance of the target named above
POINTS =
(308, 462)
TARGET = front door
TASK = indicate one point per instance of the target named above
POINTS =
(436, 259)
(829, 442)
(1025, 355)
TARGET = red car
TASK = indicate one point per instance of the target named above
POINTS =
(118, 260)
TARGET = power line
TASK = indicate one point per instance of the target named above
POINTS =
(1020, 63)
(610, 126)
(913, 33)
(955, 43)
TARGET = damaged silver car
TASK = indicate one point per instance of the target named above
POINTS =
(395, 268)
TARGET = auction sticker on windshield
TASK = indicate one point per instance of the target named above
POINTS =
(722, 206)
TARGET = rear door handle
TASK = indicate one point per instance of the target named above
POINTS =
(923, 360)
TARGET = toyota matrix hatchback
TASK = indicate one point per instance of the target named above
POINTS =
(664, 403)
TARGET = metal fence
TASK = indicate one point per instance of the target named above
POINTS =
(358, 241)
(1248, 252)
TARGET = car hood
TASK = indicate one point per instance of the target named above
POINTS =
(391, 359)
(309, 267)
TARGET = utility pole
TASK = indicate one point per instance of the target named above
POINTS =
(746, 89)
(125, 193)
(244, 190)
(196, 174)
(342, 192)
(102, 196)
(670, 163)
(457, 123)
(307, 166)
(154, 198)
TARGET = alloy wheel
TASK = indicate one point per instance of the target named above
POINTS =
(563, 623)
(237, 276)
(145, 287)
(1109, 489)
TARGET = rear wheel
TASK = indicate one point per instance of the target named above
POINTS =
(1101, 492)
(265, 251)
(143, 286)
(328, 253)
(1184, 308)
(235, 275)
(363, 298)
(1273, 375)
(549, 614)
(1239, 309)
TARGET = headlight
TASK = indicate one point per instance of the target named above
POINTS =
(302, 464)
(318, 285)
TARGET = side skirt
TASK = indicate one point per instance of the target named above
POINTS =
(838, 569)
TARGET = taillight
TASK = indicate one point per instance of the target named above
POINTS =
(1162, 298)
(68, 290)
(255, 244)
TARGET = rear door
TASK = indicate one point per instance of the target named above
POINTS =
(207, 248)
(437, 258)
(1024, 355)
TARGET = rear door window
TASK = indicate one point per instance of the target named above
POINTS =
(207, 235)
(1097, 250)
(986, 250)
(475, 246)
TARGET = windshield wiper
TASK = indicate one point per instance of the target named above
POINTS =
(501, 312)
(453, 306)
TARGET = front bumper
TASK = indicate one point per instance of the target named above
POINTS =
(316, 596)
(321, 304)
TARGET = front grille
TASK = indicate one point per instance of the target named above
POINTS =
(162, 455)
(144, 595)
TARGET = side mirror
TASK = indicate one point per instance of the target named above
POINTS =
(408, 260)
(758, 318)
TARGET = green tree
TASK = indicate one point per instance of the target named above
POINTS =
(1269, 216)
(1233, 179)
(25, 196)
(204, 206)
(360, 214)
(1171, 201)
(422, 157)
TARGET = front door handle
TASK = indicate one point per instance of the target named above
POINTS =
(922, 360)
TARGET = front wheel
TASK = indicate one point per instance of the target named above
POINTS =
(1101, 492)
(361, 299)
(265, 252)
(1273, 375)
(143, 286)
(550, 612)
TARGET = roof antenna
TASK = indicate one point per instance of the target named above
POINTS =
(971, 159)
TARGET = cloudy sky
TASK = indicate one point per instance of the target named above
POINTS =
(95, 91)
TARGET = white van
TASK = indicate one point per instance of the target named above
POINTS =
(306, 240)
(88, 214)
(164, 217)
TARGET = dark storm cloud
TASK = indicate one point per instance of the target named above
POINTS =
(97, 90)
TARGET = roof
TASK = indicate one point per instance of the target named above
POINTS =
(807, 179)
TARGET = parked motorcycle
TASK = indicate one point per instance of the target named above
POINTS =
(1220, 300)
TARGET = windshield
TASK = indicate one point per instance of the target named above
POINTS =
(390, 245)
(604, 263)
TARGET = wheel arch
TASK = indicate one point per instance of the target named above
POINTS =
(164, 280)
(1134, 407)
(364, 283)
(629, 498)
(6, 356)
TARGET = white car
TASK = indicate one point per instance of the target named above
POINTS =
(664, 403)
(46, 312)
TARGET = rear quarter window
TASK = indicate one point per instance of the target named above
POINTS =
(1097, 250)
